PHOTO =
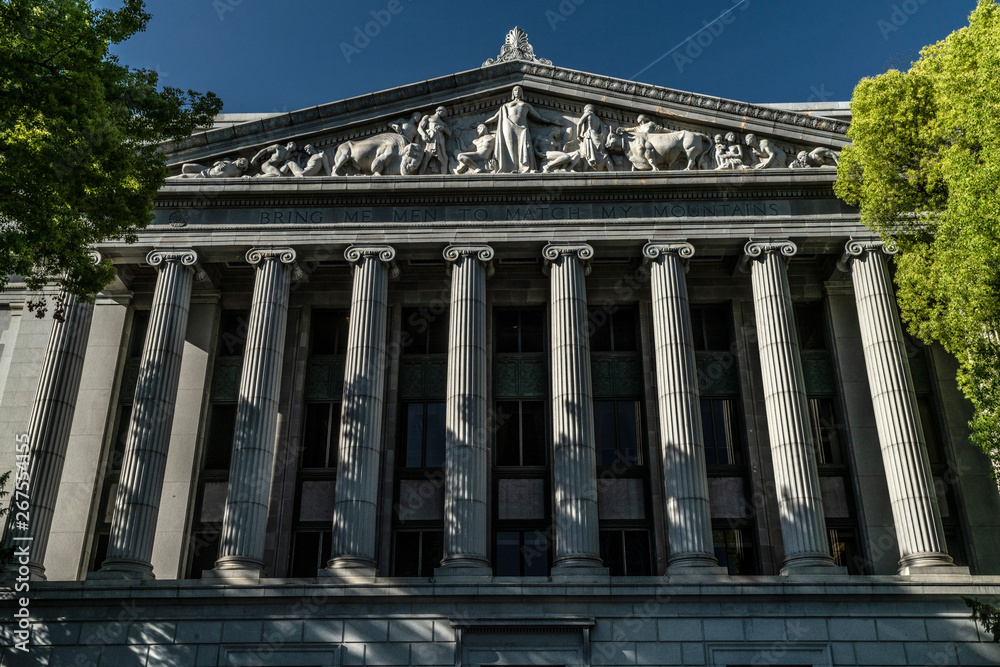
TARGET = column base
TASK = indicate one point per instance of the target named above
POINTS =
(936, 570)
(576, 567)
(122, 571)
(233, 573)
(464, 569)
(691, 570)
(349, 567)
(792, 571)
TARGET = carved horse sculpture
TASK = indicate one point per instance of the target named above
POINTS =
(383, 153)
(657, 151)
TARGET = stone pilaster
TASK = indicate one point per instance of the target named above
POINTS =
(355, 509)
(915, 510)
(49, 426)
(689, 517)
(803, 526)
(466, 460)
(137, 504)
(241, 546)
(574, 458)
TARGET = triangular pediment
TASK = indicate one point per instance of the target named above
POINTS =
(558, 96)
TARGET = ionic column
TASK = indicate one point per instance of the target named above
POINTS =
(241, 545)
(689, 517)
(803, 526)
(49, 427)
(466, 462)
(574, 459)
(355, 504)
(137, 504)
(915, 509)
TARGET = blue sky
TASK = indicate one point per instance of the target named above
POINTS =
(282, 55)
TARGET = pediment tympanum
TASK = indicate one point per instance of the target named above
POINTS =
(516, 114)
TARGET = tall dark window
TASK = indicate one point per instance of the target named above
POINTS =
(418, 508)
(519, 424)
(622, 473)
(113, 467)
(834, 468)
(733, 530)
(213, 474)
(315, 482)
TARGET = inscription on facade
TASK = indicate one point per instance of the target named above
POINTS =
(488, 213)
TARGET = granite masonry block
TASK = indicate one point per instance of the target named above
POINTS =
(677, 629)
(930, 653)
(851, 629)
(353, 654)
(723, 629)
(323, 632)
(387, 653)
(602, 630)
(802, 629)
(432, 653)
(241, 632)
(843, 653)
(124, 656)
(364, 630)
(765, 629)
(658, 653)
(411, 630)
(74, 656)
(208, 656)
(280, 632)
(199, 632)
(32, 658)
(101, 634)
(951, 630)
(55, 634)
(880, 653)
(982, 653)
(172, 654)
(443, 632)
(151, 632)
(634, 629)
(901, 629)
(612, 653)
(692, 653)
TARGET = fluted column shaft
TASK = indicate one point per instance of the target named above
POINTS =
(137, 504)
(49, 428)
(574, 457)
(915, 510)
(355, 504)
(689, 516)
(241, 545)
(803, 526)
(466, 462)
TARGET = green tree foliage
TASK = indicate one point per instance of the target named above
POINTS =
(79, 138)
(924, 168)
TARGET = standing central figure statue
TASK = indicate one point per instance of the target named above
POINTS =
(514, 150)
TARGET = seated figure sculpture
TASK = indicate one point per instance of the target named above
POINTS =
(222, 169)
(476, 159)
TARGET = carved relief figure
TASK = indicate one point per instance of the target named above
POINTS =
(731, 154)
(276, 155)
(817, 157)
(316, 164)
(408, 128)
(435, 132)
(590, 132)
(383, 153)
(479, 154)
(770, 156)
(552, 151)
(221, 169)
(513, 147)
(658, 151)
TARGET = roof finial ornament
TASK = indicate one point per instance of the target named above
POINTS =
(516, 47)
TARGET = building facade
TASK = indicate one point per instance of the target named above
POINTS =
(518, 366)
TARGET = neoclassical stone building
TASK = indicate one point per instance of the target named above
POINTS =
(517, 366)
